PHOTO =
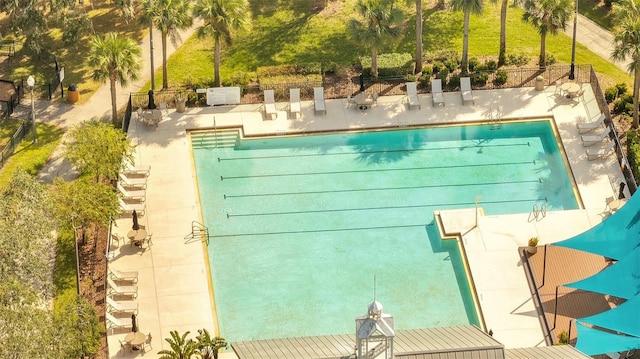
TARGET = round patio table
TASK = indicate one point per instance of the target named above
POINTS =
(570, 88)
(137, 236)
(136, 339)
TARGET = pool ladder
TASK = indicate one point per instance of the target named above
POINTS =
(539, 213)
(198, 230)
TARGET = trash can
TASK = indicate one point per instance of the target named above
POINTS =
(73, 94)
(539, 83)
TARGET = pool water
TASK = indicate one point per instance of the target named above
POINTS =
(299, 226)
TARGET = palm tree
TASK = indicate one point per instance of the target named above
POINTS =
(418, 67)
(502, 56)
(168, 16)
(220, 18)
(208, 346)
(626, 40)
(181, 348)
(548, 17)
(468, 7)
(115, 58)
(380, 21)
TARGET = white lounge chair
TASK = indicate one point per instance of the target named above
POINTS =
(126, 290)
(294, 102)
(121, 307)
(133, 194)
(270, 104)
(129, 276)
(584, 127)
(128, 208)
(465, 90)
(588, 140)
(132, 182)
(436, 92)
(596, 153)
(113, 322)
(130, 169)
(318, 100)
(412, 94)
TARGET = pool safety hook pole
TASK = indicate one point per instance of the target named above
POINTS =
(477, 199)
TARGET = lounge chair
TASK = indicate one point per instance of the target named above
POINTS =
(133, 194)
(351, 102)
(126, 290)
(318, 100)
(121, 307)
(412, 94)
(584, 127)
(436, 92)
(588, 140)
(465, 90)
(270, 104)
(128, 208)
(132, 182)
(596, 153)
(129, 169)
(129, 276)
(113, 322)
(294, 102)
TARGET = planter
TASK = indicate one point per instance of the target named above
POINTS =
(181, 105)
(532, 249)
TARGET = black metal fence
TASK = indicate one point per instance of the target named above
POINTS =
(15, 141)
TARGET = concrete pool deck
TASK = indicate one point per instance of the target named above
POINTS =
(173, 288)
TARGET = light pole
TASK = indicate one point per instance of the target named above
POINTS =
(572, 74)
(153, 82)
(32, 82)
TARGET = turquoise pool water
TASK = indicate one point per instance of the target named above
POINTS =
(300, 225)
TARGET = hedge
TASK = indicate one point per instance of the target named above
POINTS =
(394, 64)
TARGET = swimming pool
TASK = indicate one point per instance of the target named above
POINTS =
(300, 225)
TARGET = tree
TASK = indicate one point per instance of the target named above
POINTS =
(502, 53)
(379, 21)
(181, 347)
(468, 7)
(115, 58)
(168, 16)
(626, 40)
(77, 326)
(98, 150)
(208, 346)
(548, 17)
(221, 18)
(418, 67)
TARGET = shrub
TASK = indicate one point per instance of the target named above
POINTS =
(427, 71)
(551, 59)
(533, 241)
(610, 94)
(479, 79)
(451, 64)
(619, 105)
(622, 88)
(473, 63)
(443, 74)
(425, 81)
(289, 70)
(394, 64)
(491, 65)
(633, 151)
(437, 66)
(501, 77)
(517, 60)
(454, 81)
(482, 67)
(563, 337)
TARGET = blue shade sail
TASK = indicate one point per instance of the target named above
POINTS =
(623, 318)
(614, 237)
(595, 342)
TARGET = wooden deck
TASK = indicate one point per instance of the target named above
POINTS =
(563, 266)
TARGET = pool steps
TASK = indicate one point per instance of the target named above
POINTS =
(220, 138)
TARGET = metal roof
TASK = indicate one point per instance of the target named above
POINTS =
(442, 343)
(552, 352)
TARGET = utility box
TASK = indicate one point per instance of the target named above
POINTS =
(73, 93)
(539, 83)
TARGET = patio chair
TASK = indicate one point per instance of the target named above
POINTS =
(128, 208)
(436, 92)
(412, 95)
(318, 100)
(117, 323)
(596, 153)
(588, 140)
(584, 127)
(121, 307)
(147, 342)
(117, 239)
(132, 182)
(126, 290)
(270, 104)
(294, 102)
(124, 346)
(129, 276)
(465, 90)
(351, 102)
(133, 194)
